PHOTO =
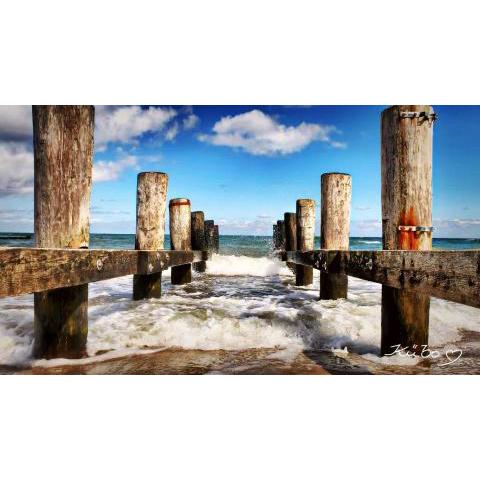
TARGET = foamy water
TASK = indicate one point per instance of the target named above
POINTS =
(241, 302)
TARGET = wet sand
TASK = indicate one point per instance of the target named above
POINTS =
(257, 361)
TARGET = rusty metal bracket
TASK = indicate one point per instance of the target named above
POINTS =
(422, 116)
(414, 228)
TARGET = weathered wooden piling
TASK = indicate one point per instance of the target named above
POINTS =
(198, 238)
(280, 235)
(150, 229)
(290, 222)
(336, 190)
(210, 235)
(275, 237)
(63, 151)
(216, 238)
(406, 216)
(305, 238)
(180, 237)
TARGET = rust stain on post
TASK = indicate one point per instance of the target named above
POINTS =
(406, 201)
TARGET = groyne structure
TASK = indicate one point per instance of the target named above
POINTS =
(57, 271)
(409, 271)
(60, 267)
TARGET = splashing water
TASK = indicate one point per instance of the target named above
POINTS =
(241, 302)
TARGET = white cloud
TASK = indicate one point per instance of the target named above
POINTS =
(16, 122)
(105, 171)
(127, 124)
(260, 134)
(190, 122)
(16, 169)
(172, 132)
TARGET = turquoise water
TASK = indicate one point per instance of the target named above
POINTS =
(248, 245)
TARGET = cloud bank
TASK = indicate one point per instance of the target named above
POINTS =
(114, 125)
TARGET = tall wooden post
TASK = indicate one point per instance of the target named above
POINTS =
(305, 238)
(281, 234)
(406, 216)
(180, 237)
(336, 191)
(210, 235)
(150, 230)
(198, 238)
(63, 151)
(290, 222)
(216, 238)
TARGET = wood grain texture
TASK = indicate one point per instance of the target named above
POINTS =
(406, 178)
(29, 270)
(63, 151)
(336, 196)
(216, 238)
(210, 235)
(451, 275)
(150, 228)
(198, 238)
(151, 204)
(180, 237)
(305, 238)
(280, 235)
(406, 153)
(290, 221)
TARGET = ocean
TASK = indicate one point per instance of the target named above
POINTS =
(244, 315)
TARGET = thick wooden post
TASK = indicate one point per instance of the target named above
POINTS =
(198, 238)
(180, 237)
(150, 231)
(406, 202)
(336, 191)
(290, 222)
(216, 238)
(63, 151)
(305, 238)
(210, 235)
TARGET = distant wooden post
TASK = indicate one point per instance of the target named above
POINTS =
(406, 216)
(63, 151)
(210, 235)
(281, 234)
(216, 238)
(290, 222)
(336, 191)
(305, 238)
(150, 230)
(180, 237)
(198, 238)
(275, 237)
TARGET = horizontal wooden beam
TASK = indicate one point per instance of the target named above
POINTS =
(451, 275)
(29, 270)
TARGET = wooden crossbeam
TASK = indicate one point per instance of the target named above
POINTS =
(451, 275)
(29, 270)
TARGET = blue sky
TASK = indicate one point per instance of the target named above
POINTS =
(244, 166)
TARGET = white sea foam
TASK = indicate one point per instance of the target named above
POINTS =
(241, 302)
(233, 265)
